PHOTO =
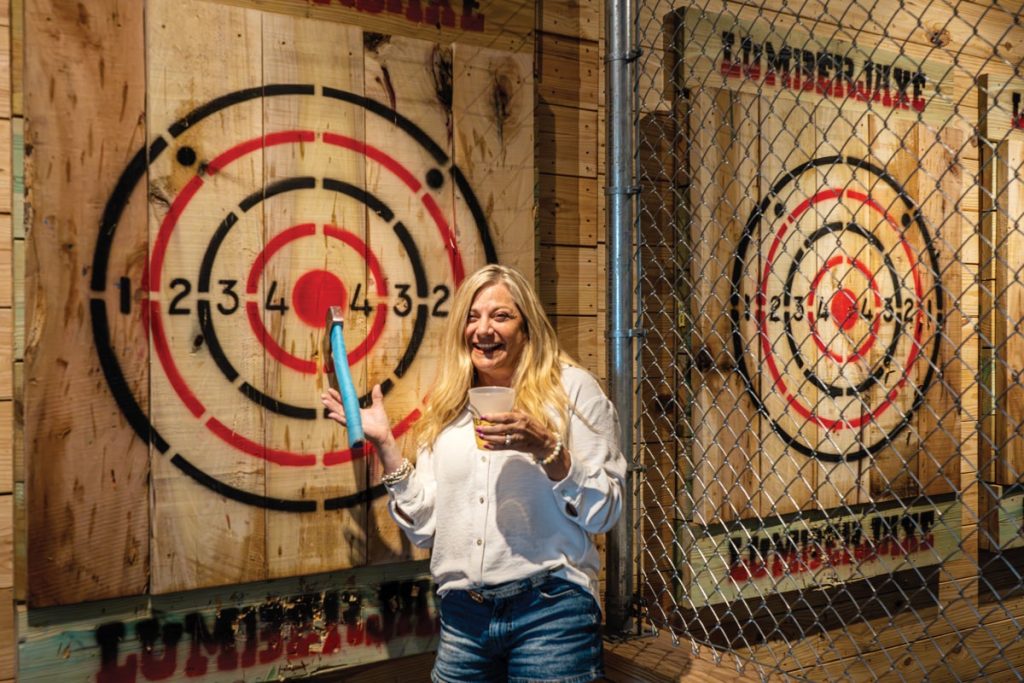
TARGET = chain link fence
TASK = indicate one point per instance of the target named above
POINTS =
(830, 287)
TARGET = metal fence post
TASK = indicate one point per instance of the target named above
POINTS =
(618, 101)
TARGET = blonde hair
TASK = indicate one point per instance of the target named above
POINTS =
(538, 376)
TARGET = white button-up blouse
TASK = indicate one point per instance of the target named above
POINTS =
(494, 516)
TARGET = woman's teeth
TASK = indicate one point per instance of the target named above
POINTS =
(487, 347)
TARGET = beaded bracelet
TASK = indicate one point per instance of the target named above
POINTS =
(403, 471)
(554, 454)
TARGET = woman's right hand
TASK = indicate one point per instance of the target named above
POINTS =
(376, 426)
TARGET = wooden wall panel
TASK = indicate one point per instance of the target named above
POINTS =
(74, 557)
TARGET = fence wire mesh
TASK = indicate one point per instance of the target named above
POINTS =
(830, 285)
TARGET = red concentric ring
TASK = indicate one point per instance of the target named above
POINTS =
(252, 309)
(779, 382)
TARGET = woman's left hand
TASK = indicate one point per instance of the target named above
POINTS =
(516, 431)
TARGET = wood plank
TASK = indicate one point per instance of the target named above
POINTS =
(18, 177)
(567, 71)
(416, 79)
(940, 187)
(6, 354)
(7, 428)
(568, 210)
(785, 137)
(285, 629)
(573, 18)
(493, 116)
(17, 55)
(88, 526)
(200, 538)
(329, 55)
(724, 465)
(6, 263)
(18, 266)
(577, 335)
(20, 551)
(5, 164)
(6, 544)
(8, 635)
(5, 67)
(567, 140)
(498, 24)
(567, 285)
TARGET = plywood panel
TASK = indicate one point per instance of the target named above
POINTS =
(204, 240)
(88, 523)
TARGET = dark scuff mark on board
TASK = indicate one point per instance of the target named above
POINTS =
(441, 68)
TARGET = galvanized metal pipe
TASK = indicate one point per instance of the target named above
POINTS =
(619, 174)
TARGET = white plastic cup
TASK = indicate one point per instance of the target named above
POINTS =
(488, 400)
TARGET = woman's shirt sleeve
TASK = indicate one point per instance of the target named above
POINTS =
(411, 501)
(591, 493)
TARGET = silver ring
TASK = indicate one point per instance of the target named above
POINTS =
(508, 438)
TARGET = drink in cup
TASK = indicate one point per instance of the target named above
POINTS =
(487, 401)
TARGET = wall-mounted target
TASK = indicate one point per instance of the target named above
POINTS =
(253, 239)
(837, 308)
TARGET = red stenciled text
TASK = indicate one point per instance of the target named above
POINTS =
(280, 630)
(828, 74)
(438, 13)
(831, 544)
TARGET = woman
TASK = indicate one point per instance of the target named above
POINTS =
(511, 524)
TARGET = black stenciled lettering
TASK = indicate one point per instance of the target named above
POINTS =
(108, 637)
(437, 311)
(159, 663)
(728, 40)
(777, 61)
(186, 288)
(220, 641)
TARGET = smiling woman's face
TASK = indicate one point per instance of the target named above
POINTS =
(495, 335)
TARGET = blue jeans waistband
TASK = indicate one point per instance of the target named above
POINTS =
(509, 588)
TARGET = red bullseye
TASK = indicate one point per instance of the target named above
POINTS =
(314, 293)
(844, 309)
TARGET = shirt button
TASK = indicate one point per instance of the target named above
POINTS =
(481, 499)
(479, 541)
(483, 458)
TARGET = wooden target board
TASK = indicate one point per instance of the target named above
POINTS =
(291, 164)
(824, 230)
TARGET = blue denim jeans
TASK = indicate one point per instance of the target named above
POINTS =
(542, 631)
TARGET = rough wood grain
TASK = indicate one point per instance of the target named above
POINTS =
(567, 140)
(568, 210)
(200, 538)
(6, 264)
(567, 71)
(574, 18)
(88, 524)
(567, 283)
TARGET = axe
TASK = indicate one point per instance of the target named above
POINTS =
(334, 341)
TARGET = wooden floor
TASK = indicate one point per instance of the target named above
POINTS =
(655, 660)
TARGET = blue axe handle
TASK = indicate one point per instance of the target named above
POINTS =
(349, 397)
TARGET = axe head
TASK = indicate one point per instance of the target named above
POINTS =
(334, 318)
